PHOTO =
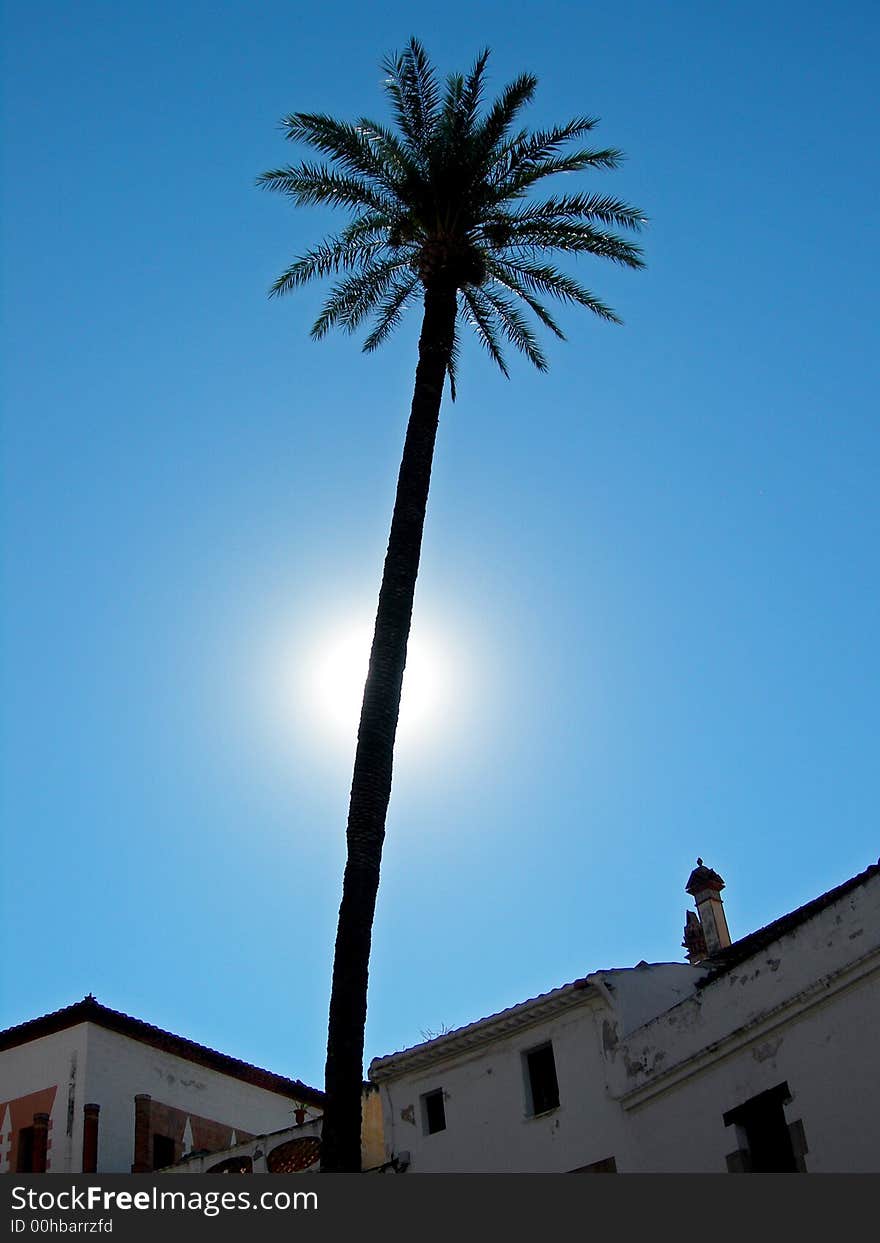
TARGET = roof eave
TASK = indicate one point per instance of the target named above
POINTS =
(467, 1039)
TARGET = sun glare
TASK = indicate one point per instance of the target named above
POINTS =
(337, 668)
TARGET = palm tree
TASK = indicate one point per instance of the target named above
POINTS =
(440, 210)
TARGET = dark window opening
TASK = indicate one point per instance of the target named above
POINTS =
(25, 1162)
(434, 1112)
(163, 1151)
(543, 1087)
(765, 1135)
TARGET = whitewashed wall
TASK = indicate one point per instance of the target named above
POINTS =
(487, 1125)
(57, 1060)
(806, 1011)
(652, 1092)
(118, 1068)
(90, 1064)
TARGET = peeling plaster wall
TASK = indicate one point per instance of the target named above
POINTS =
(804, 1011)
(827, 1058)
(640, 993)
(119, 1068)
(487, 1128)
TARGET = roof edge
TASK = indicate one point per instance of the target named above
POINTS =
(484, 1030)
(90, 1010)
(738, 951)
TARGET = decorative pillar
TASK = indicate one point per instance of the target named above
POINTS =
(90, 1139)
(143, 1134)
(41, 1143)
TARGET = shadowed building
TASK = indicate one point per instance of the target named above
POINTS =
(88, 1089)
(758, 1055)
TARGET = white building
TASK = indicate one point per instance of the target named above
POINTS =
(759, 1055)
(88, 1089)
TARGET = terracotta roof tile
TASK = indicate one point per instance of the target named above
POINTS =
(89, 1010)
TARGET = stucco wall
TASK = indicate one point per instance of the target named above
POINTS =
(58, 1062)
(487, 1125)
(827, 1058)
(804, 1011)
(118, 1068)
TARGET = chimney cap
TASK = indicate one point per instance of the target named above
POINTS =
(703, 878)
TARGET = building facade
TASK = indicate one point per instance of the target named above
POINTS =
(88, 1089)
(756, 1056)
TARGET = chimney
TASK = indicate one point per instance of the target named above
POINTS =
(694, 942)
(708, 934)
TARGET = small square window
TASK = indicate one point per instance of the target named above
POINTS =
(433, 1112)
(542, 1086)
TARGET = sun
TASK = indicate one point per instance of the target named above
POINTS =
(336, 670)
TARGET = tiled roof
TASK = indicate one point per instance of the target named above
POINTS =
(91, 1011)
(745, 947)
(471, 1034)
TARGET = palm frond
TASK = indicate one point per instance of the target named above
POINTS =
(412, 88)
(309, 184)
(391, 310)
(346, 145)
(502, 113)
(478, 311)
(577, 238)
(585, 206)
(452, 364)
(516, 328)
(524, 176)
(390, 149)
(359, 242)
(355, 297)
(472, 95)
(529, 279)
(449, 121)
(370, 226)
(540, 146)
(504, 275)
(329, 257)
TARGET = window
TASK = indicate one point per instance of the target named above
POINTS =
(25, 1162)
(542, 1089)
(163, 1151)
(433, 1112)
(768, 1144)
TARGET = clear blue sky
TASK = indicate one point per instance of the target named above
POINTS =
(655, 568)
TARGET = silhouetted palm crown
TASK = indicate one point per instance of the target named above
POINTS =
(444, 201)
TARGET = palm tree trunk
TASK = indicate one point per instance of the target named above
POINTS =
(371, 783)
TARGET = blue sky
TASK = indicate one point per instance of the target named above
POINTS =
(651, 573)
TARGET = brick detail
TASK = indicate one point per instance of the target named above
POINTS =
(90, 1139)
(143, 1135)
(41, 1143)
